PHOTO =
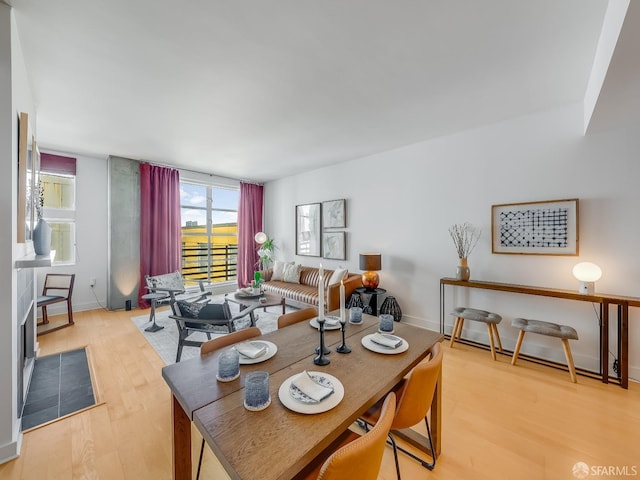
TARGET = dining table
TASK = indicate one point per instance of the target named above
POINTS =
(277, 442)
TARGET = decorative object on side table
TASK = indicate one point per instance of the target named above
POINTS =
(588, 274)
(390, 306)
(370, 263)
(355, 301)
(465, 238)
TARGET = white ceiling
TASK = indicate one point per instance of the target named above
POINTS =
(257, 90)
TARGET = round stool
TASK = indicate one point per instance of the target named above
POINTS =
(491, 319)
(563, 332)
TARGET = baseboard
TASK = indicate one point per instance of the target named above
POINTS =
(10, 451)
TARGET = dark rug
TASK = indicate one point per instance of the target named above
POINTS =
(60, 385)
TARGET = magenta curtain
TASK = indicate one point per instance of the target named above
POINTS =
(160, 225)
(249, 223)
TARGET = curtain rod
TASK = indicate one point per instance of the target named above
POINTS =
(200, 173)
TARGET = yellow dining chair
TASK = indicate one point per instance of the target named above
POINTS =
(415, 394)
(352, 455)
(218, 343)
(295, 317)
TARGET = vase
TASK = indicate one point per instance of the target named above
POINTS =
(462, 271)
(390, 306)
(42, 238)
(354, 301)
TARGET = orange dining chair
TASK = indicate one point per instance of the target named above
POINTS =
(353, 455)
(297, 316)
(415, 394)
(218, 343)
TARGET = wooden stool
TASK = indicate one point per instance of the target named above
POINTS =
(491, 319)
(549, 329)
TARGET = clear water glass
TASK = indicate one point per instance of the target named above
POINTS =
(386, 323)
(256, 391)
(355, 314)
(228, 365)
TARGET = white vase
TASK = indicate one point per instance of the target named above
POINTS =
(42, 238)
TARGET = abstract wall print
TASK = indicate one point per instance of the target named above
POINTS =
(333, 214)
(535, 228)
(333, 245)
(308, 229)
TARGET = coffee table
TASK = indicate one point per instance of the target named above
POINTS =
(256, 301)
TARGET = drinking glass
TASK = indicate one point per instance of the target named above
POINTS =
(228, 365)
(386, 323)
(355, 315)
(256, 391)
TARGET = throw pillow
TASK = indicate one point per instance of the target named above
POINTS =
(278, 269)
(337, 275)
(292, 273)
(203, 310)
(190, 309)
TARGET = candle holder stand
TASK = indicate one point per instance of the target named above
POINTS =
(342, 348)
(321, 350)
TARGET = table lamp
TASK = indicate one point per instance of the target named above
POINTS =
(587, 273)
(370, 263)
(260, 238)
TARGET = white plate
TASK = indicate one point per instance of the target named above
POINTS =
(375, 347)
(272, 348)
(314, 323)
(311, 408)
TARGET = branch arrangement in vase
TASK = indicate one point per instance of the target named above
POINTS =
(465, 237)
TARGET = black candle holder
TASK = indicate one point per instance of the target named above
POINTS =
(321, 350)
(342, 348)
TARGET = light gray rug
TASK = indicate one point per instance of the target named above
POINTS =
(165, 341)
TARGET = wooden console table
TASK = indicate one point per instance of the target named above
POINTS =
(603, 299)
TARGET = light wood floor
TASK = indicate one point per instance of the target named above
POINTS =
(500, 422)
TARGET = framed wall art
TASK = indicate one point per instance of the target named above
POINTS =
(333, 245)
(535, 228)
(333, 214)
(26, 169)
(308, 229)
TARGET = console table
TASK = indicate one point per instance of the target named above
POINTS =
(603, 299)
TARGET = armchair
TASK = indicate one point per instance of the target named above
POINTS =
(204, 317)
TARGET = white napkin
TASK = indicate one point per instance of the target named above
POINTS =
(386, 340)
(251, 350)
(331, 320)
(310, 387)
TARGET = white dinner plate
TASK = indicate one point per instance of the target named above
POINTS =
(272, 348)
(375, 347)
(314, 323)
(310, 408)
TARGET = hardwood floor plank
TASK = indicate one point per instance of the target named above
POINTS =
(499, 421)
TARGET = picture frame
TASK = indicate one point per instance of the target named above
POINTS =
(308, 222)
(26, 175)
(333, 214)
(547, 227)
(333, 245)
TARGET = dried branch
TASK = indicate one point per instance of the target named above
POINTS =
(465, 237)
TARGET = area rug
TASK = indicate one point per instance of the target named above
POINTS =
(61, 385)
(165, 341)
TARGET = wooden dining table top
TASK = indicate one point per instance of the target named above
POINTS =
(277, 443)
(193, 381)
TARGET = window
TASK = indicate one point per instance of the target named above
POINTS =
(58, 186)
(209, 232)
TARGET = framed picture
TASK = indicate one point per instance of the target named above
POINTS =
(25, 179)
(535, 228)
(333, 245)
(308, 229)
(333, 214)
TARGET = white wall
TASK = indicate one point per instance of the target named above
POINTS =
(402, 202)
(91, 236)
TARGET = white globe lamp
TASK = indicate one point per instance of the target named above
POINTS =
(588, 274)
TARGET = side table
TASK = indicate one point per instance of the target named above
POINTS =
(372, 307)
(153, 298)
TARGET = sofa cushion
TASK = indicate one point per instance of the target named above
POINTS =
(338, 275)
(292, 273)
(278, 269)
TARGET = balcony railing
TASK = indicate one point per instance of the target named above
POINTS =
(212, 266)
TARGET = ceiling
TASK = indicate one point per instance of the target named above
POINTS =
(258, 90)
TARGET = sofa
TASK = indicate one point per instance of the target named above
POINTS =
(305, 293)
